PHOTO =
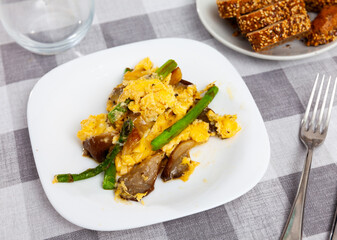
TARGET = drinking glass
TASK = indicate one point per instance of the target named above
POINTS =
(47, 26)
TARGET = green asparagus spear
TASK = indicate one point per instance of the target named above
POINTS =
(125, 132)
(91, 172)
(166, 68)
(110, 173)
(171, 132)
(118, 111)
(110, 177)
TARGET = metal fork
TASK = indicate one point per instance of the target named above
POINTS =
(312, 133)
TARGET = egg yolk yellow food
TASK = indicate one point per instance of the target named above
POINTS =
(226, 125)
(191, 166)
(160, 105)
(93, 126)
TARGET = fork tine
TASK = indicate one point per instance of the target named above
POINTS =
(312, 122)
(305, 118)
(330, 106)
(323, 104)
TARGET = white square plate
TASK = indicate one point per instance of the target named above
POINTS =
(73, 91)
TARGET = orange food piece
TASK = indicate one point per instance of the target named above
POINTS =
(324, 27)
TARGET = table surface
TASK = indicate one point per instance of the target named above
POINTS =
(280, 89)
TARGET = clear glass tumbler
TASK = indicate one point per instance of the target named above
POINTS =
(47, 26)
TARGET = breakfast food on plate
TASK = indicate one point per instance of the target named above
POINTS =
(154, 118)
(324, 27)
(279, 32)
(270, 15)
(317, 5)
(233, 8)
(267, 24)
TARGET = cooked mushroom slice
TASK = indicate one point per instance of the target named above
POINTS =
(174, 167)
(116, 92)
(140, 180)
(184, 82)
(98, 146)
(140, 124)
(176, 76)
(132, 141)
(114, 95)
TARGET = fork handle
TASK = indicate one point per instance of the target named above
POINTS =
(294, 224)
(333, 233)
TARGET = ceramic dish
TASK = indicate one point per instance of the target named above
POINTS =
(221, 30)
(73, 91)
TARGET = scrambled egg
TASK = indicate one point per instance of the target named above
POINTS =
(142, 69)
(191, 166)
(93, 126)
(150, 97)
(226, 125)
(197, 131)
(163, 104)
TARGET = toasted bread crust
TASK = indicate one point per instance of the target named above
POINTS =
(279, 32)
(234, 8)
(270, 15)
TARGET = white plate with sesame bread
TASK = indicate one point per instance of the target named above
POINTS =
(223, 31)
(71, 92)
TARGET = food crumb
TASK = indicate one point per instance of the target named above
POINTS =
(229, 92)
(204, 180)
(196, 154)
(236, 33)
(55, 180)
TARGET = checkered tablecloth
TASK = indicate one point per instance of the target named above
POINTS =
(280, 90)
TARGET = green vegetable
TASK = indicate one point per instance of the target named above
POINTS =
(166, 68)
(171, 132)
(121, 107)
(118, 111)
(91, 172)
(110, 177)
(110, 173)
(127, 70)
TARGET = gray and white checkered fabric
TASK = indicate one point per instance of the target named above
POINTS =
(280, 90)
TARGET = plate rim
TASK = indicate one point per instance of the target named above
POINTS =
(43, 183)
(256, 54)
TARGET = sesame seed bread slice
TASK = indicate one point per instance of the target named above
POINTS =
(233, 8)
(270, 15)
(278, 33)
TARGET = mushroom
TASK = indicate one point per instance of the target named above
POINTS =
(174, 167)
(98, 146)
(141, 178)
